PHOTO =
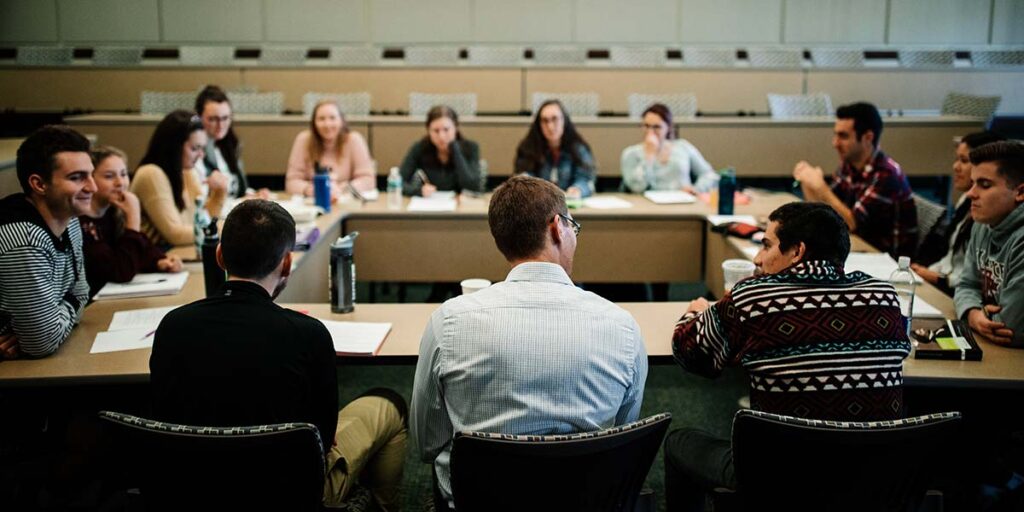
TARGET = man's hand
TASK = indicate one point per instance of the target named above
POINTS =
(810, 177)
(698, 305)
(9, 346)
(982, 325)
(170, 263)
(931, 276)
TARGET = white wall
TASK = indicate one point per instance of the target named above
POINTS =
(527, 22)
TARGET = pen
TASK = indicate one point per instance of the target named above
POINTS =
(148, 334)
(162, 280)
(423, 176)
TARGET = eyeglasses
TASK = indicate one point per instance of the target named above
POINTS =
(572, 222)
(217, 119)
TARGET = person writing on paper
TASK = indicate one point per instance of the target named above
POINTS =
(940, 258)
(990, 294)
(443, 160)
(869, 190)
(553, 150)
(240, 359)
(223, 149)
(330, 144)
(533, 354)
(663, 162)
(169, 192)
(42, 273)
(831, 358)
(115, 250)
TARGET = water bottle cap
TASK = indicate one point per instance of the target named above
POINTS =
(347, 241)
(903, 262)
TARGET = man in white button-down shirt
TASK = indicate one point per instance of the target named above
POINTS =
(530, 355)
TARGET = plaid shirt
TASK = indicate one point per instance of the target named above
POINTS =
(882, 203)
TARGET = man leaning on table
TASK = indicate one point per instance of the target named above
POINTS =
(533, 354)
(869, 190)
(990, 295)
(239, 359)
(42, 275)
(812, 345)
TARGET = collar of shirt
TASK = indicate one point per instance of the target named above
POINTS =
(539, 271)
(244, 288)
(880, 162)
(815, 267)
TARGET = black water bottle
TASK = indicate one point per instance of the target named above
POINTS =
(343, 274)
(213, 275)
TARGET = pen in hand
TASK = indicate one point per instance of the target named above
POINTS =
(423, 176)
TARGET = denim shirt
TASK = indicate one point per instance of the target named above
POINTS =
(565, 173)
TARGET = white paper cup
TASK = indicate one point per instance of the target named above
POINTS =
(736, 270)
(473, 285)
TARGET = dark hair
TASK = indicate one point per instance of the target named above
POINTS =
(823, 232)
(438, 112)
(1008, 156)
(38, 153)
(534, 145)
(519, 212)
(865, 118)
(979, 139)
(165, 147)
(229, 145)
(256, 236)
(662, 111)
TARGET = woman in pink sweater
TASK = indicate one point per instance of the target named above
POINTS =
(330, 144)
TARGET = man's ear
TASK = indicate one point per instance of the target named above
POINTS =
(555, 229)
(286, 264)
(799, 251)
(37, 184)
(220, 259)
(869, 136)
(1018, 195)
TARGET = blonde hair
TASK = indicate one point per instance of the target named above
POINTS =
(316, 145)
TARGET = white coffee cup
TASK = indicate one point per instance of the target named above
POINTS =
(736, 270)
(473, 285)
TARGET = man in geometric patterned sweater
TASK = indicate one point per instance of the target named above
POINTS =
(817, 343)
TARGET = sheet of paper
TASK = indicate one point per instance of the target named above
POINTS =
(875, 264)
(357, 338)
(371, 195)
(924, 310)
(717, 220)
(432, 204)
(125, 339)
(670, 197)
(606, 203)
(148, 318)
(145, 285)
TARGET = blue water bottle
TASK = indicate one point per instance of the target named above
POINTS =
(322, 187)
(726, 191)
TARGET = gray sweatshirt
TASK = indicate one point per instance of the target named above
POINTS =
(994, 272)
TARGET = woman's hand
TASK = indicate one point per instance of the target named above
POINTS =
(128, 203)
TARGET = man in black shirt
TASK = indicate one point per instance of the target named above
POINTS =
(239, 359)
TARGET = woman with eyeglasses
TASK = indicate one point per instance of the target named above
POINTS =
(663, 162)
(329, 144)
(553, 150)
(222, 152)
(169, 192)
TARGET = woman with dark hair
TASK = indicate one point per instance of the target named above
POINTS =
(168, 189)
(447, 161)
(113, 246)
(222, 149)
(663, 162)
(553, 150)
(328, 143)
(940, 259)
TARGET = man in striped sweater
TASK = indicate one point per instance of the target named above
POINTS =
(42, 275)
(816, 342)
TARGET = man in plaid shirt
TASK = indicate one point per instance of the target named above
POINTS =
(869, 191)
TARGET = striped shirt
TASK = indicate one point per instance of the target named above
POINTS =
(530, 355)
(816, 343)
(42, 278)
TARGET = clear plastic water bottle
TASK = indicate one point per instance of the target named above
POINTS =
(905, 282)
(394, 189)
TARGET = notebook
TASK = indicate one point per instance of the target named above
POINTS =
(945, 339)
(144, 285)
(357, 338)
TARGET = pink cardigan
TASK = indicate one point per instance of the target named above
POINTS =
(355, 165)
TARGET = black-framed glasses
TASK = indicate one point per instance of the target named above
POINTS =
(572, 222)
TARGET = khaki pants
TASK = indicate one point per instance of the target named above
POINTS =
(369, 447)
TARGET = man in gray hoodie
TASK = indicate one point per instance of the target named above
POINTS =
(990, 296)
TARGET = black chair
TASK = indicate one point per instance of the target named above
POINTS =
(795, 464)
(593, 471)
(183, 467)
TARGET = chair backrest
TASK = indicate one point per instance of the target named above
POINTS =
(206, 55)
(683, 105)
(257, 102)
(577, 104)
(960, 104)
(1011, 127)
(787, 463)
(184, 467)
(837, 57)
(997, 58)
(44, 55)
(637, 56)
(495, 55)
(282, 55)
(161, 102)
(926, 58)
(464, 104)
(929, 213)
(708, 57)
(775, 57)
(432, 55)
(787, 106)
(117, 55)
(559, 55)
(350, 103)
(355, 55)
(593, 471)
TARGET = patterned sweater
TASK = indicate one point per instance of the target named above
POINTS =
(816, 342)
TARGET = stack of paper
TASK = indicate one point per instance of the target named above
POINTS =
(144, 285)
(669, 197)
(606, 203)
(357, 338)
(130, 330)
